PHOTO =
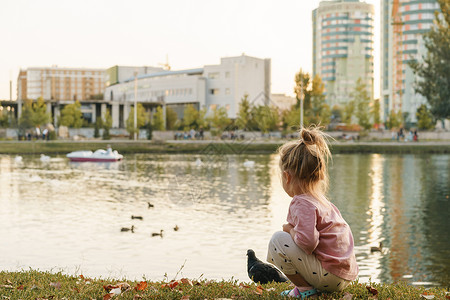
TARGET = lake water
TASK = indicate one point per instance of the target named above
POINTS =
(66, 216)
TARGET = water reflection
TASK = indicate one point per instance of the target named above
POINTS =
(69, 215)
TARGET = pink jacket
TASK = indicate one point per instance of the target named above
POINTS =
(320, 229)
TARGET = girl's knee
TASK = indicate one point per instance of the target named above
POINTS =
(278, 237)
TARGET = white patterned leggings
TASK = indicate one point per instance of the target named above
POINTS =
(291, 259)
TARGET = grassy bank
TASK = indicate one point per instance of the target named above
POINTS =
(205, 147)
(43, 285)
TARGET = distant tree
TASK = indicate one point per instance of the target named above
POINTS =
(190, 117)
(141, 119)
(362, 104)
(244, 114)
(394, 119)
(71, 115)
(40, 115)
(201, 121)
(219, 119)
(106, 124)
(433, 73)
(291, 119)
(158, 119)
(97, 126)
(171, 118)
(348, 112)
(149, 128)
(337, 114)
(302, 87)
(26, 119)
(319, 112)
(375, 111)
(267, 118)
(4, 119)
(424, 118)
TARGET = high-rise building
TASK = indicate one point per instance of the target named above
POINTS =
(343, 47)
(403, 22)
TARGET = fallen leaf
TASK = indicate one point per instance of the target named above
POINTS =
(6, 286)
(347, 296)
(173, 284)
(108, 296)
(270, 289)
(141, 286)
(241, 285)
(372, 290)
(426, 296)
(8, 281)
(56, 285)
(137, 297)
(109, 287)
(20, 287)
(186, 281)
(185, 297)
(124, 287)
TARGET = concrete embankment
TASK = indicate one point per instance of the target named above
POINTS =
(212, 147)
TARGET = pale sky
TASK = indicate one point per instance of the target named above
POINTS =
(104, 33)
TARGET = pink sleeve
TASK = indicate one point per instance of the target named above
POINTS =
(305, 221)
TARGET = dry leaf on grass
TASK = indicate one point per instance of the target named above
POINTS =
(372, 290)
(141, 286)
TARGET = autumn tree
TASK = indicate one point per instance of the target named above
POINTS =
(361, 99)
(301, 89)
(158, 119)
(40, 115)
(348, 111)
(171, 118)
(376, 111)
(433, 71)
(106, 123)
(394, 119)
(424, 117)
(190, 117)
(319, 111)
(141, 119)
(244, 114)
(219, 119)
(71, 115)
(267, 118)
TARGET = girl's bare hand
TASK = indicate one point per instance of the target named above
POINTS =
(287, 228)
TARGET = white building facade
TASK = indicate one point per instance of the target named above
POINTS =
(210, 87)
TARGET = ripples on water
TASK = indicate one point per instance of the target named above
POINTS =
(61, 215)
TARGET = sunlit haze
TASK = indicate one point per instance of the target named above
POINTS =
(191, 33)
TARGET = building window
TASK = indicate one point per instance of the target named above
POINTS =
(227, 107)
(214, 75)
(214, 91)
(227, 74)
(227, 91)
(213, 107)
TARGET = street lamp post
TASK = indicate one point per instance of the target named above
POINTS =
(302, 96)
(135, 106)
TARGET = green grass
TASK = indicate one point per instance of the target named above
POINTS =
(129, 147)
(44, 285)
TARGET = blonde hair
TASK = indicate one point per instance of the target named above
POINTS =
(306, 161)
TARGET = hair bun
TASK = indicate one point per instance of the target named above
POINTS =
(308, 136)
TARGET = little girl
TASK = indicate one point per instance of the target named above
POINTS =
(315, 248)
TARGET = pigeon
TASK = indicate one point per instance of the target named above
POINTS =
(261, 272)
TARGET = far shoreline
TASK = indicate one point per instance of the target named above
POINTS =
(214, 147)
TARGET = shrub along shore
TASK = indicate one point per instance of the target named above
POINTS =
(62, 147)
(34, 284)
